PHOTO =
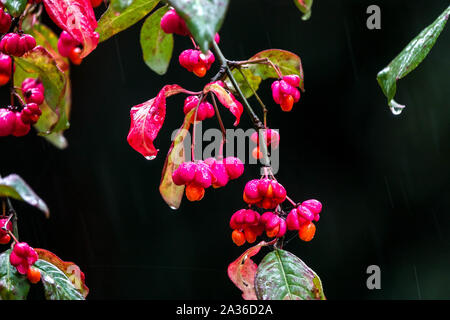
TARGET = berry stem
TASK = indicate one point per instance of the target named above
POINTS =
(238, 64)
(193, 127)
(14, 219)
(219, 118)
(291, 201)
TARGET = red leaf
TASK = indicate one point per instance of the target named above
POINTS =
(172, 193)
(70, 269)
(242, 271)
(226, 98)
(147, 119)
(77, 18)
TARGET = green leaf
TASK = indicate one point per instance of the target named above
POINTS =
(172, 193)
(203, 18)
(287, 62)
(13, 285)
(305, 7)
(112, 22)
(57, 285)
(410, 57)
(15, 7)
(120, 5)
(15, 187)
(157, 46)
(283, 276)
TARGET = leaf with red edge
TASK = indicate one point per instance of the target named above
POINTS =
(147, 119)
(70, 269)
(226, 98)
(242, 271)
(77, 18)
(305, 7)
(172, 193)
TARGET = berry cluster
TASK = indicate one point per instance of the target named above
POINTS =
(301, 217)
(171, 22)
(69, 47)
(17, 44)
(285, 91)
(197, 62)
(5, 225)
(33, 91)
(264, 193)
(23, 257)
(205, 109)
(199, 175)
(271, 138)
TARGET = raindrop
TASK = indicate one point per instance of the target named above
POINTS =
(150, 157)
(396, 108)
(173, 208)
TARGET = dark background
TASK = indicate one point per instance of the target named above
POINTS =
(383, 179)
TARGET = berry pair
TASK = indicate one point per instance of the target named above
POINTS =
(33, 91)
(15, 44)
(11, 123)
(30, 113)
(23, 257)
(301, 217)
(5, 21)
(284, 91)
(196, 61)
(202, 174)
(69, 47)
(264, 193)
(271, 138)
(4, 234)
(205, 109)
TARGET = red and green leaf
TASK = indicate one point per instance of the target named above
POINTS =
(305, 7)
(70, 269)
(226, 98)
(77, 18)
(147, 119)
(242, 271)
(172, 193)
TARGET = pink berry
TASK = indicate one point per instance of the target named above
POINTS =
(17, 45)
(314, 205)
(20, 129)
(293, 80)
(234, 167)
(5, 21)
(219, 174)
(66, 43)
(171, 22)
(292, 220)
(23, 257)
(305, 213)
(217, 38)
(203, 175)
(184, 173)
(5, 69)
(7, 122)
(251, 190)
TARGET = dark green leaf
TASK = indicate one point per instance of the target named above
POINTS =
(13, 285)
(120, 5)
(113, 22)
(410, 57)
(203, 18)
(15, 7)
(15, 187)
(283, 276)
(305, 7)
(56, 284)
(157, 46)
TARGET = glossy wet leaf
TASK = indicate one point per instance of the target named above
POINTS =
(13, 285)
(57, 285)
(112, 22)
(147, 119)
(305, 7)
(70, 269)
(15, 187)
(288, 62)
(15, 7)
(283, 276)
(203, 18)
(172, 193)
(242, 272)
(77, 18)
(410, 57)
(157, 46)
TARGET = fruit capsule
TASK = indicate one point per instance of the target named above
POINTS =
(307, 231)
(287, 103)
(33, 275)
(238, 237)
(194, 192)
(199, 71)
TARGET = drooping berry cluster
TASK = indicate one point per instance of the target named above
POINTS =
(271, 138)
(23, 257)
(205, 109)
(171, 22)
(69, 47)
(285, 92)
(301, 218)
(17, 44)
(33, 91)
(264, 193)
(197, 62)
(199, 175)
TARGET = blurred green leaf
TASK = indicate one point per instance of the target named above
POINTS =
(203, 18)
(305, 7)
(410, 57)
(15, 187)
(283, 276)
(13, 285)
(15, 7)
(157, 46)
(120, 5)
(112, 22)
